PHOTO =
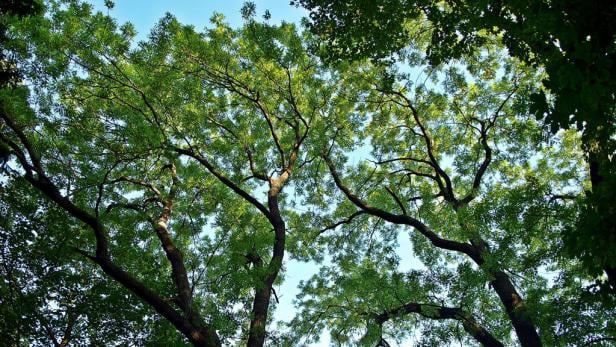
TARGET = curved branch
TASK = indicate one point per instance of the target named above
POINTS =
(481, 334)
(347, 220)
(198, 335)
(436, 240)
(224, 180)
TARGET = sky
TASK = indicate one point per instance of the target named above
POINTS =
(144, 14)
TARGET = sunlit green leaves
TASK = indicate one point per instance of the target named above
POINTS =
(454, 146)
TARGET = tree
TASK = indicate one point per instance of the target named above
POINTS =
(452, 164)
(184, 169)
(186, 132)
(48, 296)
(18, 9)
(572, 40)
(44, 297)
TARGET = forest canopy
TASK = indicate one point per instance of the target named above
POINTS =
(153, 192)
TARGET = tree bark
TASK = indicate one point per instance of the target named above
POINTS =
(198, 336)
(256, 337)
(516, 310)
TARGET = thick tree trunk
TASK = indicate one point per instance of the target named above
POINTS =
(514, 304)
(516, 310)
(260, 307)
(256, 337)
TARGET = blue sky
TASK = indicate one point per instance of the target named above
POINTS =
(145, 14)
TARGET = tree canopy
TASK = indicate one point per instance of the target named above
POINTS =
(573, 41)
(152, 192)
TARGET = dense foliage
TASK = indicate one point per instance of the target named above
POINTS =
(152, 192)
(574, 41)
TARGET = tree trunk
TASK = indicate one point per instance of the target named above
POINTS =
(260, 307)
(516, 310)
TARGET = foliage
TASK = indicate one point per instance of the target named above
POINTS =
(572, 40)
(158, 188)
(431, 142)
(51, 297)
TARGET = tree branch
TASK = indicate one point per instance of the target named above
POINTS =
(449, 193)
(224, 180)
(397, 199)
(198, 335)
(471, 326)
(341, 222)
(175, 257)
(436, 240)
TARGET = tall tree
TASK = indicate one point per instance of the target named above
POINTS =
(180, 172)
(189, 139)
(573, 40)
(452, 159)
